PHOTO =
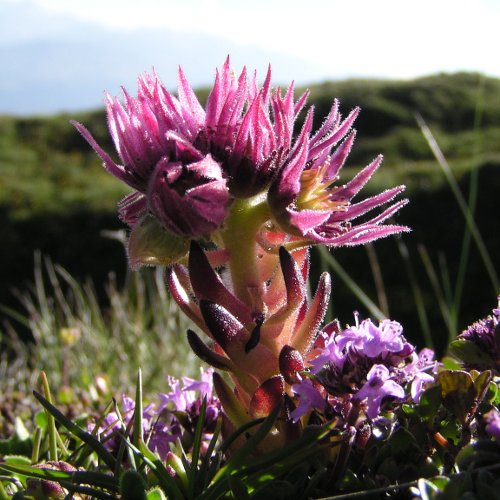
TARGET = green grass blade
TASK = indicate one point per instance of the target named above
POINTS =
(82, 452)
(238, 432)
(198, 435)
(473, 193)
(274, 464)
(124, 435)
(97, 479)
(417, 293)
(3, 492)
(378, 279)
(15, 315)
(438, 293)
(77, 431)
(239, 456)
(290, 455)
(167, 483)
(341, 273)
(87, 491)
(469, 219)
(51, 424)
(205, 469)
(37, 439)
(138, 424)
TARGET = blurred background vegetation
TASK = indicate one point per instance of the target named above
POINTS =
(55, 197)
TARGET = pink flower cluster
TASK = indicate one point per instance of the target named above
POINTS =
(478, 346)
(363, 366)
(187, 164)
(173, 419)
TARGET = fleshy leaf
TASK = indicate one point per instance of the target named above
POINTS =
(294, 284)
(224, 327)
(208, 355)
(181, 297)
(267, 397)
(306, 332)
(233, 338)
(232, 407)
(208, 286)
(291, 363)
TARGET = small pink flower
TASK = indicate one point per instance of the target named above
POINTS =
(330, 354)
(378, 386)
(492, 419)
(305, 201)
(309, 398)
(188, 199)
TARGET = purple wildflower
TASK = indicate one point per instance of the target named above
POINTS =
(418, 384)
(331, 353)
(157, 429)
(306, 204)
(492, 419)
(163, 423)
(478, 346)
(188, 398)
(418, 370)
(374, 340)
(192, 390)
(364, 363)
(378, 386)
(309, 398)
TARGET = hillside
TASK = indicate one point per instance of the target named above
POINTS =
(56, 197)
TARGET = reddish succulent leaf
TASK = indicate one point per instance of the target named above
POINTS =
(295, 285)
(182, 298)
(267, 396)
(208, 286)
(232, 407)
(308, 328)
(222, 324)
(291, 363)
(259, 362)
(288, 282)
(208, 355)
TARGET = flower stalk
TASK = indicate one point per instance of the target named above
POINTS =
(239, 235)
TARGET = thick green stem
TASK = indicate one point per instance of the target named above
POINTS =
(245, 220)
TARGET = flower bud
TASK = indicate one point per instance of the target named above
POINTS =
(150, 244)
(189, 200)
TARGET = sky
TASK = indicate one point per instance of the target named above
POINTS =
(384, 38)
(54, 44)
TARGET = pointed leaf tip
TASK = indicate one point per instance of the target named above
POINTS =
(220, 322)
(295, 285)
(206, 354)
(208, 286)
(232, 406)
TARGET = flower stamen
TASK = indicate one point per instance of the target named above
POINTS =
(315, 193)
